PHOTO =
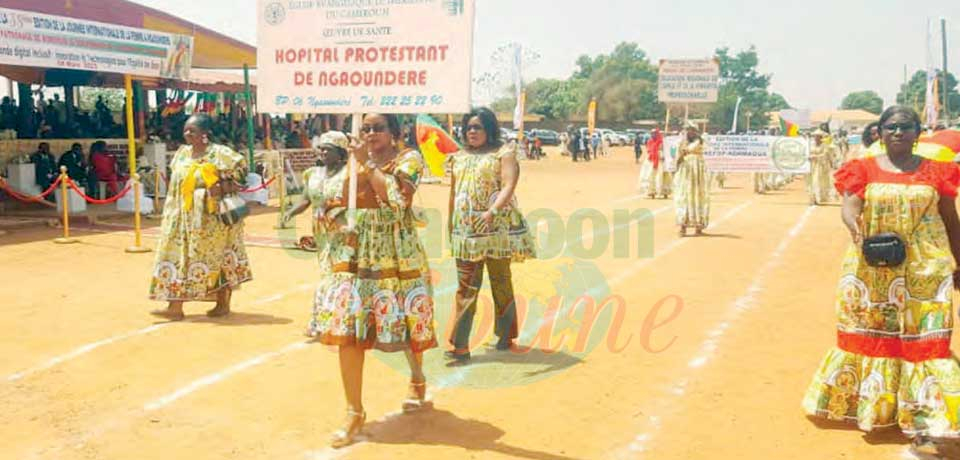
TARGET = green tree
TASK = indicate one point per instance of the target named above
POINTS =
(555, 99)
(863, 100)
(914, 92)
(740, 78)
(623, 82)
(114, 98)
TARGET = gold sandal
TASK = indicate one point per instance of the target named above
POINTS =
(346, 437)
(416, 397)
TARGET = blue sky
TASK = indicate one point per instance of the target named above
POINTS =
(817, 50)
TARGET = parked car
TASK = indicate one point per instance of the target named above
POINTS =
(610, 136)
(548, 137)
(508, 135)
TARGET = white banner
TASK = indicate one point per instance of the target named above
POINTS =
(748, 154)
(689, 81)
(392, 56)
(58, 42)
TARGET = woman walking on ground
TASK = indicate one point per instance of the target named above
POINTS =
(487, 229)
(654, 178)
(199, 258)
(691, 189)
(822, 156)
(376, 291)
(892, 365)
(322, 184)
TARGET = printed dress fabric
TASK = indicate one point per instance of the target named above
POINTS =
(478, 184)
(375, 290)
(820, 183)
(197, 254)
(691, 190)
(892, 364)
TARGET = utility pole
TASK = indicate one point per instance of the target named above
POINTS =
(943, 87)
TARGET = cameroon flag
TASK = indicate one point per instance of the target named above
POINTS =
(435, 143)
(788, 128)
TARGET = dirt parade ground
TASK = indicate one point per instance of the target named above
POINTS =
(637, 344)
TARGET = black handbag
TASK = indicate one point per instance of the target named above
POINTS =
(887, 249)
(884, 250)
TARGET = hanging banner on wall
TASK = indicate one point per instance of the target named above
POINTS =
(59, 42)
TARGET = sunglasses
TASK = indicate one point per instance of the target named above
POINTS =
(477, 128)
(903, 127)
(367, 129)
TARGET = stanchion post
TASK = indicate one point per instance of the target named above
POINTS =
(64, 178)
(282, 177)
(137, 247)
(156, 190)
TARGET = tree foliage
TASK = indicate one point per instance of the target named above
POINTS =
(740, 78)
(863, 100)
(624, 83)
(914, 92)
(114, 98)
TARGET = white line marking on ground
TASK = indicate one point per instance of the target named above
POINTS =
(628, 199)
(628, 273)
(739, 306)
(84, 349)
(216, 377)
(746, 301)
(80, 351)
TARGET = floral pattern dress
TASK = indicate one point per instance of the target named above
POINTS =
(691, 187)
(892, 364)
(478, 185)
(820, 182)
(197, 254)
(375, 290)
(321, 190)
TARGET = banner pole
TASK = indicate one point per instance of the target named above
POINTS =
(250, 130)
(66, 209)
(137, 247)
(666, 123)
(352, 191)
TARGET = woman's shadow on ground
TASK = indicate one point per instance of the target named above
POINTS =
(949, 448)
(433, 427)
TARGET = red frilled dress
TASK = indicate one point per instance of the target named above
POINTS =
(892, 364)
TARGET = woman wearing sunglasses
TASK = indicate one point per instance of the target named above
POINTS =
(377, 292)
(892, 365)
(487, 229)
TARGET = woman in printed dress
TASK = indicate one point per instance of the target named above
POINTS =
(822, 157)
(199, 258)
(322, 184)
(486, 228)
(376, 292)
(654, 178)
(892, 365)
(691, 189)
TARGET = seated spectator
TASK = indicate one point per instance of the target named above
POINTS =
(45, 167)
(105, 166)
(75, 163)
